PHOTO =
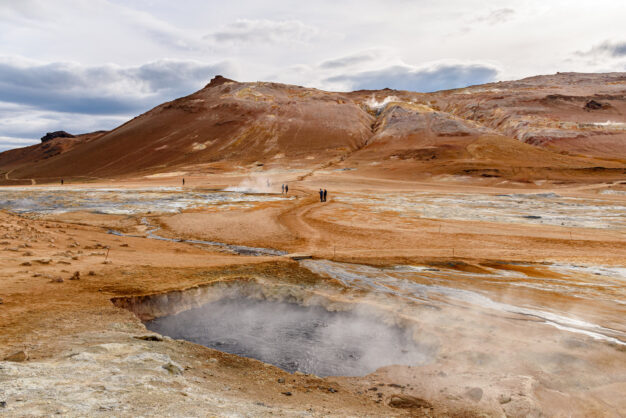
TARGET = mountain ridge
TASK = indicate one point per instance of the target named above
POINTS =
(241, 125)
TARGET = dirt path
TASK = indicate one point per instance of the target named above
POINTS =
(6, 177)
(295, 220)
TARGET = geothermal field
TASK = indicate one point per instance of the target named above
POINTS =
(466, 262)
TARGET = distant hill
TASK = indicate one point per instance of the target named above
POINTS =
(557, 126)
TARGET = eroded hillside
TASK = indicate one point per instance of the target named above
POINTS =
(560, 127)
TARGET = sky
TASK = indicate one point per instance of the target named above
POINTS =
(86, 65)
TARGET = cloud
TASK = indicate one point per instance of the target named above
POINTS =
(428, 78)
(42, 97)
(613, 49)
(122, 21)
(350, 60)
(264, 31)
(496, 16)
(27, 122)
(104, 89)
(23, 125)
(8, 142)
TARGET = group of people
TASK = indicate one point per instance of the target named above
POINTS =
(323, 194)
(285, 188)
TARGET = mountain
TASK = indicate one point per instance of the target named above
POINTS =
(562, 126)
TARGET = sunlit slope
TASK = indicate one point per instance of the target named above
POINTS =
(572, 113)
(237, 123)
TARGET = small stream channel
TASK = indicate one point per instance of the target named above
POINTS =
(236, 249)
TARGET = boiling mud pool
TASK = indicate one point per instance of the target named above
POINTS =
(48, 200)
(417, 315)
(541, 208)
(296, 338)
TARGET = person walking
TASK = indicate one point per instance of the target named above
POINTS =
(325, 194)
(61, 182)
(183, 181)
(283, 189)
(321, 195)
(286, 188)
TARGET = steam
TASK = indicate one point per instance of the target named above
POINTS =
(257, 184)
(50, 200)
(382, 281)
(374, 104)
(610, 124)
(309, 339)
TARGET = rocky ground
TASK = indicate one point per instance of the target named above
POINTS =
(70, 350)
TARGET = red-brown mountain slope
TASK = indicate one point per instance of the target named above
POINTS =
(572, 124)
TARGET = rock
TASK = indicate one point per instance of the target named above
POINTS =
(44, 261)
(373, 389)
(406, 402)
(18, 357)
(593, 105)
(286, 393)
(475, 394)
(173, 368)
(281, 380)
(1, 301)
(149, 338)
(26, 263)
(3, 404)
(217, 81)
(56, 134)
(503, 399)
(107, 262)
(124, 245)
(56, 280)
(75, 276)
(332, 390)
(91, 273)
